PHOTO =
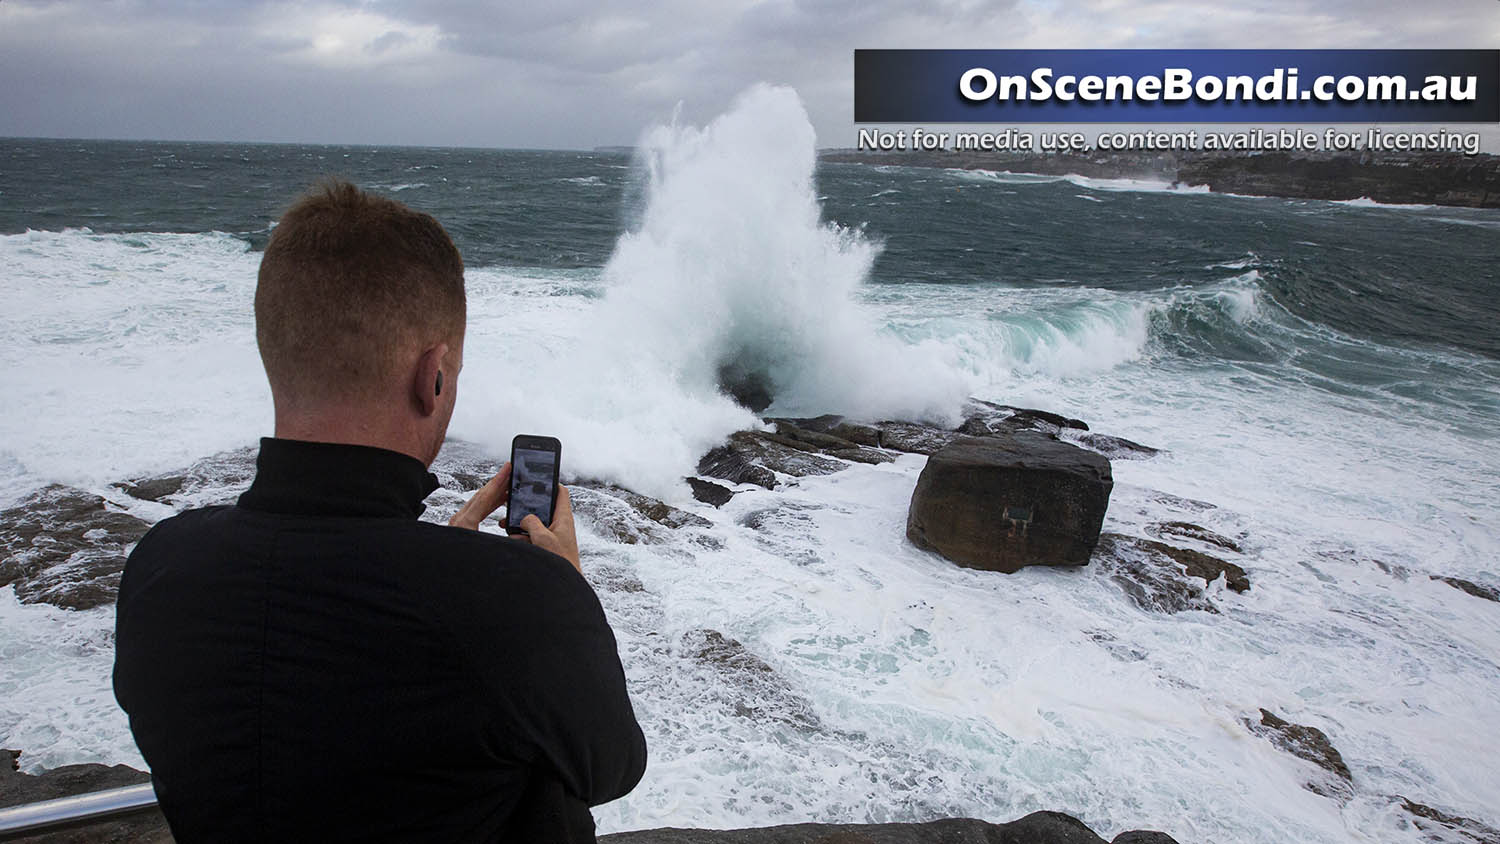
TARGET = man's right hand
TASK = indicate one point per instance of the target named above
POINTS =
(560, 538)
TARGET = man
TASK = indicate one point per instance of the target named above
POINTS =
(314, 663)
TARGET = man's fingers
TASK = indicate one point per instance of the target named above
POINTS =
(533, 526)
(522, 533)
(485, 500)
(494, 493)
(559, 538)
(562, 520)
(541, 537)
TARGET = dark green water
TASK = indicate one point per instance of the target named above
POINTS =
(1426, 277)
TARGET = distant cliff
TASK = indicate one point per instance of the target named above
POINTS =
(1426, 178)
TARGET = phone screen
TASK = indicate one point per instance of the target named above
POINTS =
(532, 480)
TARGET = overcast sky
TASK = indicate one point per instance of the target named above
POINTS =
(572, 73)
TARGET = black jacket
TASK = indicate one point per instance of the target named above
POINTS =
(315, 663)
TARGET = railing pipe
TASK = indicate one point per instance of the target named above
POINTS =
(76, 810)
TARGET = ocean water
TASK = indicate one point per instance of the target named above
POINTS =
(1324, 378)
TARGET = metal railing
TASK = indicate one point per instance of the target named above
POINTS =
(74, 811)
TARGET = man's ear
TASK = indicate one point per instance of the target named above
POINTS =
(427, 383)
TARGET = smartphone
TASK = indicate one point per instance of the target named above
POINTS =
(533, 479)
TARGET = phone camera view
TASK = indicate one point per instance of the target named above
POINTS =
(531, 485)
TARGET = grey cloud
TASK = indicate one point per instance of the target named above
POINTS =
(571, 73)
(388, 41)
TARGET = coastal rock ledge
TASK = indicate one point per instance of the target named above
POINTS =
(1035, 828)
(66, 547)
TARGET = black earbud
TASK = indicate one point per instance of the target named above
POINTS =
(437, 389)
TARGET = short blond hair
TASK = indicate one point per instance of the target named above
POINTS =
(350, 284)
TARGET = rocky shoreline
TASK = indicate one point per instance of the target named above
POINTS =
(66, 546)
(1433, 178)
(150, 827)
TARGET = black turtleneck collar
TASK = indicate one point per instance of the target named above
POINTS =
(335, 479)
